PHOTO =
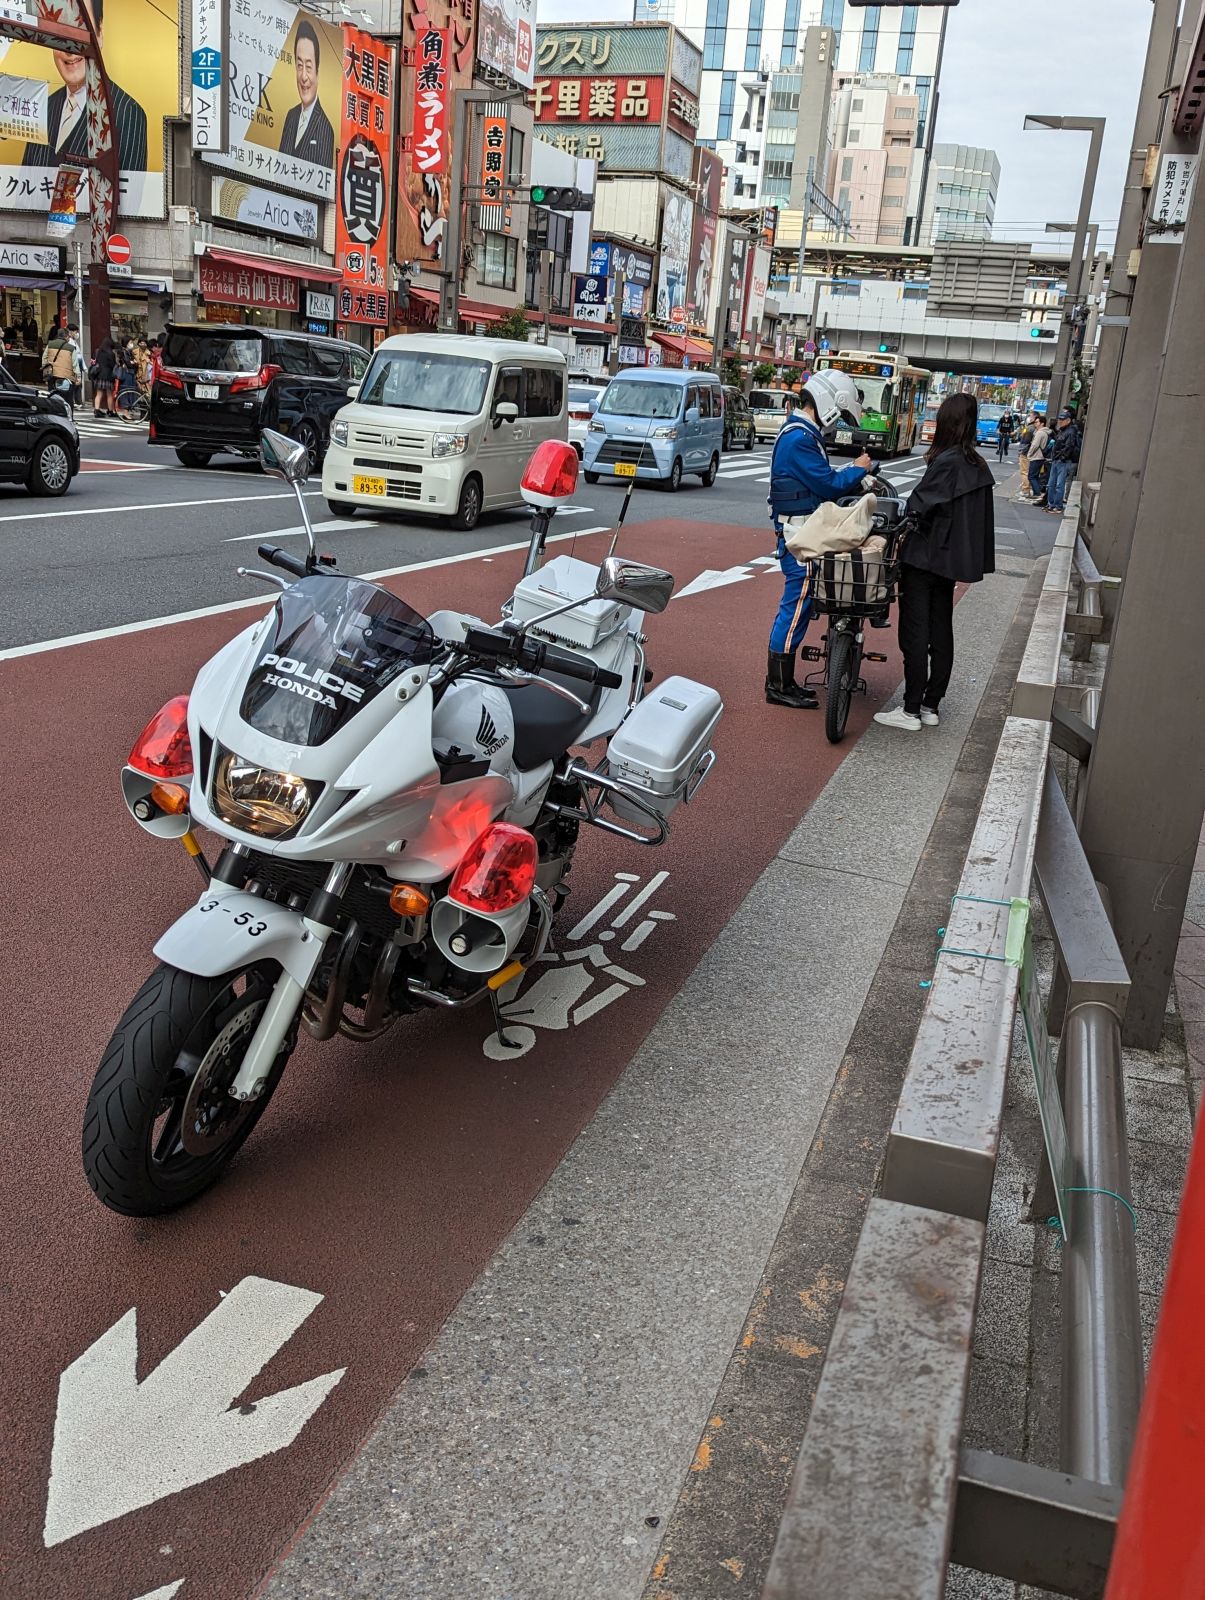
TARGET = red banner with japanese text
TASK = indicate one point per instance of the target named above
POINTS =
(430, 150)
(494, 207)
(362, 189)
(246, 286)
(424, 189)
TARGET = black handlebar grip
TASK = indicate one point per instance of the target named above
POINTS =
(571, 665)
(276, 557)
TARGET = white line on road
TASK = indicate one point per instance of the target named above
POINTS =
(120, 1444)
(67, 641)
(164, 1592)
(160, 505)
(332, 525)
(742, 472)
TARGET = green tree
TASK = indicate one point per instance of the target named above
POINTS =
(732, 373)
(513, 326)
(763, 372)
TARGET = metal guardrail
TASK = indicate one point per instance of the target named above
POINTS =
(884, 1495)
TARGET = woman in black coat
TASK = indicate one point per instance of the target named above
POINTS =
(954, 542)
(105, 361)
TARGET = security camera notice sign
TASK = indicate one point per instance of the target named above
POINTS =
(1171, 199)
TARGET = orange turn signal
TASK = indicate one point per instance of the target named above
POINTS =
(170, 797)
(408, 901)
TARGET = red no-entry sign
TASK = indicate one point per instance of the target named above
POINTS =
(118, 249)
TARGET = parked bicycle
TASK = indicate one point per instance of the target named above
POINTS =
(855, 589)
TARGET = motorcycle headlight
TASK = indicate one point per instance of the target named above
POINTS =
(448, 444)
(596, 427)
(258, 800)
(338, 432)
(665, 433)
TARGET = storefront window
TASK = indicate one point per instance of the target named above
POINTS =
(32, 308)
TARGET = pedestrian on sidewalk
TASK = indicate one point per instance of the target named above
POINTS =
(1064, 458)
(1004, 434)
(1036, 459)
(954, 541)
(58, 366)
(103, 373)
(800, 481)
(1027, 433)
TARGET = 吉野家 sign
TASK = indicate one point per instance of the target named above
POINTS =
(208, 74)
(494, 211)
(362, 194)
(1171, 198)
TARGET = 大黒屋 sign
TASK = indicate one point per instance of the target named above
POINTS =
(362, 193)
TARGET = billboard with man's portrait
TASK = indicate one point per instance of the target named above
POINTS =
(140, 45)
(284, 88)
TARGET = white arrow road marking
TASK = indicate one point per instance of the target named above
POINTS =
(120, 1444)
(331, 526)
(712, 578)
(164, 1592)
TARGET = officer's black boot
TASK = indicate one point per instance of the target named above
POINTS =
(781, 688)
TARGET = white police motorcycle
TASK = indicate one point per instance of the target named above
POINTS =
(398, 807)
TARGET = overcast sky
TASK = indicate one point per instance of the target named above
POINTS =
(1079, 58)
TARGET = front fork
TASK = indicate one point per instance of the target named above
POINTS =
(284, 1003)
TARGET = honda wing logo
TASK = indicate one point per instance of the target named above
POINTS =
(487, 734)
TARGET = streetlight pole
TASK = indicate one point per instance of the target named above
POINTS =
(1095, 126)
(466, 99)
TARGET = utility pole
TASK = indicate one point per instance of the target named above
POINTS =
(1138, 376)
(719, 335)
(449, 296)
(620, 281)
(1148, 123)
(1145, 792)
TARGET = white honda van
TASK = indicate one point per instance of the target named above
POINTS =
(443, 425)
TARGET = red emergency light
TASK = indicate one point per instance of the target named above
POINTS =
(551, 475)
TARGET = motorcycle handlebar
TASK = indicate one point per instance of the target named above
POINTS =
(535, 656)
(276, 557)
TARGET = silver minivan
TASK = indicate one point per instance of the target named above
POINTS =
(657, 423)
(444, 425)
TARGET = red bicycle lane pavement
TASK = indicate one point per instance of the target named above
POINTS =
(383, 1176)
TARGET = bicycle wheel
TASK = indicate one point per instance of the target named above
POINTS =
(841, 675)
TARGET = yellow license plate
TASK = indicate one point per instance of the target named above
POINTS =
(625, 469)
(363, 485)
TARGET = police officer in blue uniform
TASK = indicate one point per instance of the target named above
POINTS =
(801, 479)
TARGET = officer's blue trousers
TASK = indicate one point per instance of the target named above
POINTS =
(795, 609)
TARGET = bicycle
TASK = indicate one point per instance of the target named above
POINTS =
(854, 588)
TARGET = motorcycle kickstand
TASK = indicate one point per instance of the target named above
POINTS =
(500, 1024)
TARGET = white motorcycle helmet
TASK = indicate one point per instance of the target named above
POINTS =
(836, 398)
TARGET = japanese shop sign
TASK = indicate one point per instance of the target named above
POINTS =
(589, 299)
(430, 139)
(1171, 198)
(142, 51)
(46, 259)
(683, 112)
(506, 38)
(609, 260)
(284, 80)
(208, 74)
(60, 221)
(494, 207)
(246, 286)
(23, 108)
(598, 99)
(264, 209)
(422, 205)
(362, 196)
(319, 305)
(769, 226)
(758, 284)
(677, 218)
(582, 51)
(709, 177)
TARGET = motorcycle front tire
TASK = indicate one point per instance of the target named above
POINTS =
(159, 1126)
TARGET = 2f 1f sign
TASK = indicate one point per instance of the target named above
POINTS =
(1171, 198)
(208, 75)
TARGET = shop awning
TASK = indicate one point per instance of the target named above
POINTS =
(282, 268)
(683, 345)
(429, 297)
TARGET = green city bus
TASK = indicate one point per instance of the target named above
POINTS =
(893, 403)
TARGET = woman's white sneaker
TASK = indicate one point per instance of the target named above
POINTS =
(899, 718)
(929, 717)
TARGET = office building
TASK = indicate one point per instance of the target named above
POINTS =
(874, 171)
(960, 197)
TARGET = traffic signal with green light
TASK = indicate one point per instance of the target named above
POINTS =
(1043, 333)
(561, 198)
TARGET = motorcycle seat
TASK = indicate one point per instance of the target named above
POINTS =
(546, 724)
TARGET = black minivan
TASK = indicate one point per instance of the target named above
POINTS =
(221, 384)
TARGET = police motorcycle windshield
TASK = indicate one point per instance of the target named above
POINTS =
(334, 644)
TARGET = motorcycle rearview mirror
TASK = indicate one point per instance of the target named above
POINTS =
(282, 457)
(634, 583)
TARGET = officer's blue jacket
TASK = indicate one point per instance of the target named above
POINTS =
(800, 476)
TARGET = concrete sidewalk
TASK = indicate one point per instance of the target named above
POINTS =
(555, 1441)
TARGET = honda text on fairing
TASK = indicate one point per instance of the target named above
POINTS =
(399, 810)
